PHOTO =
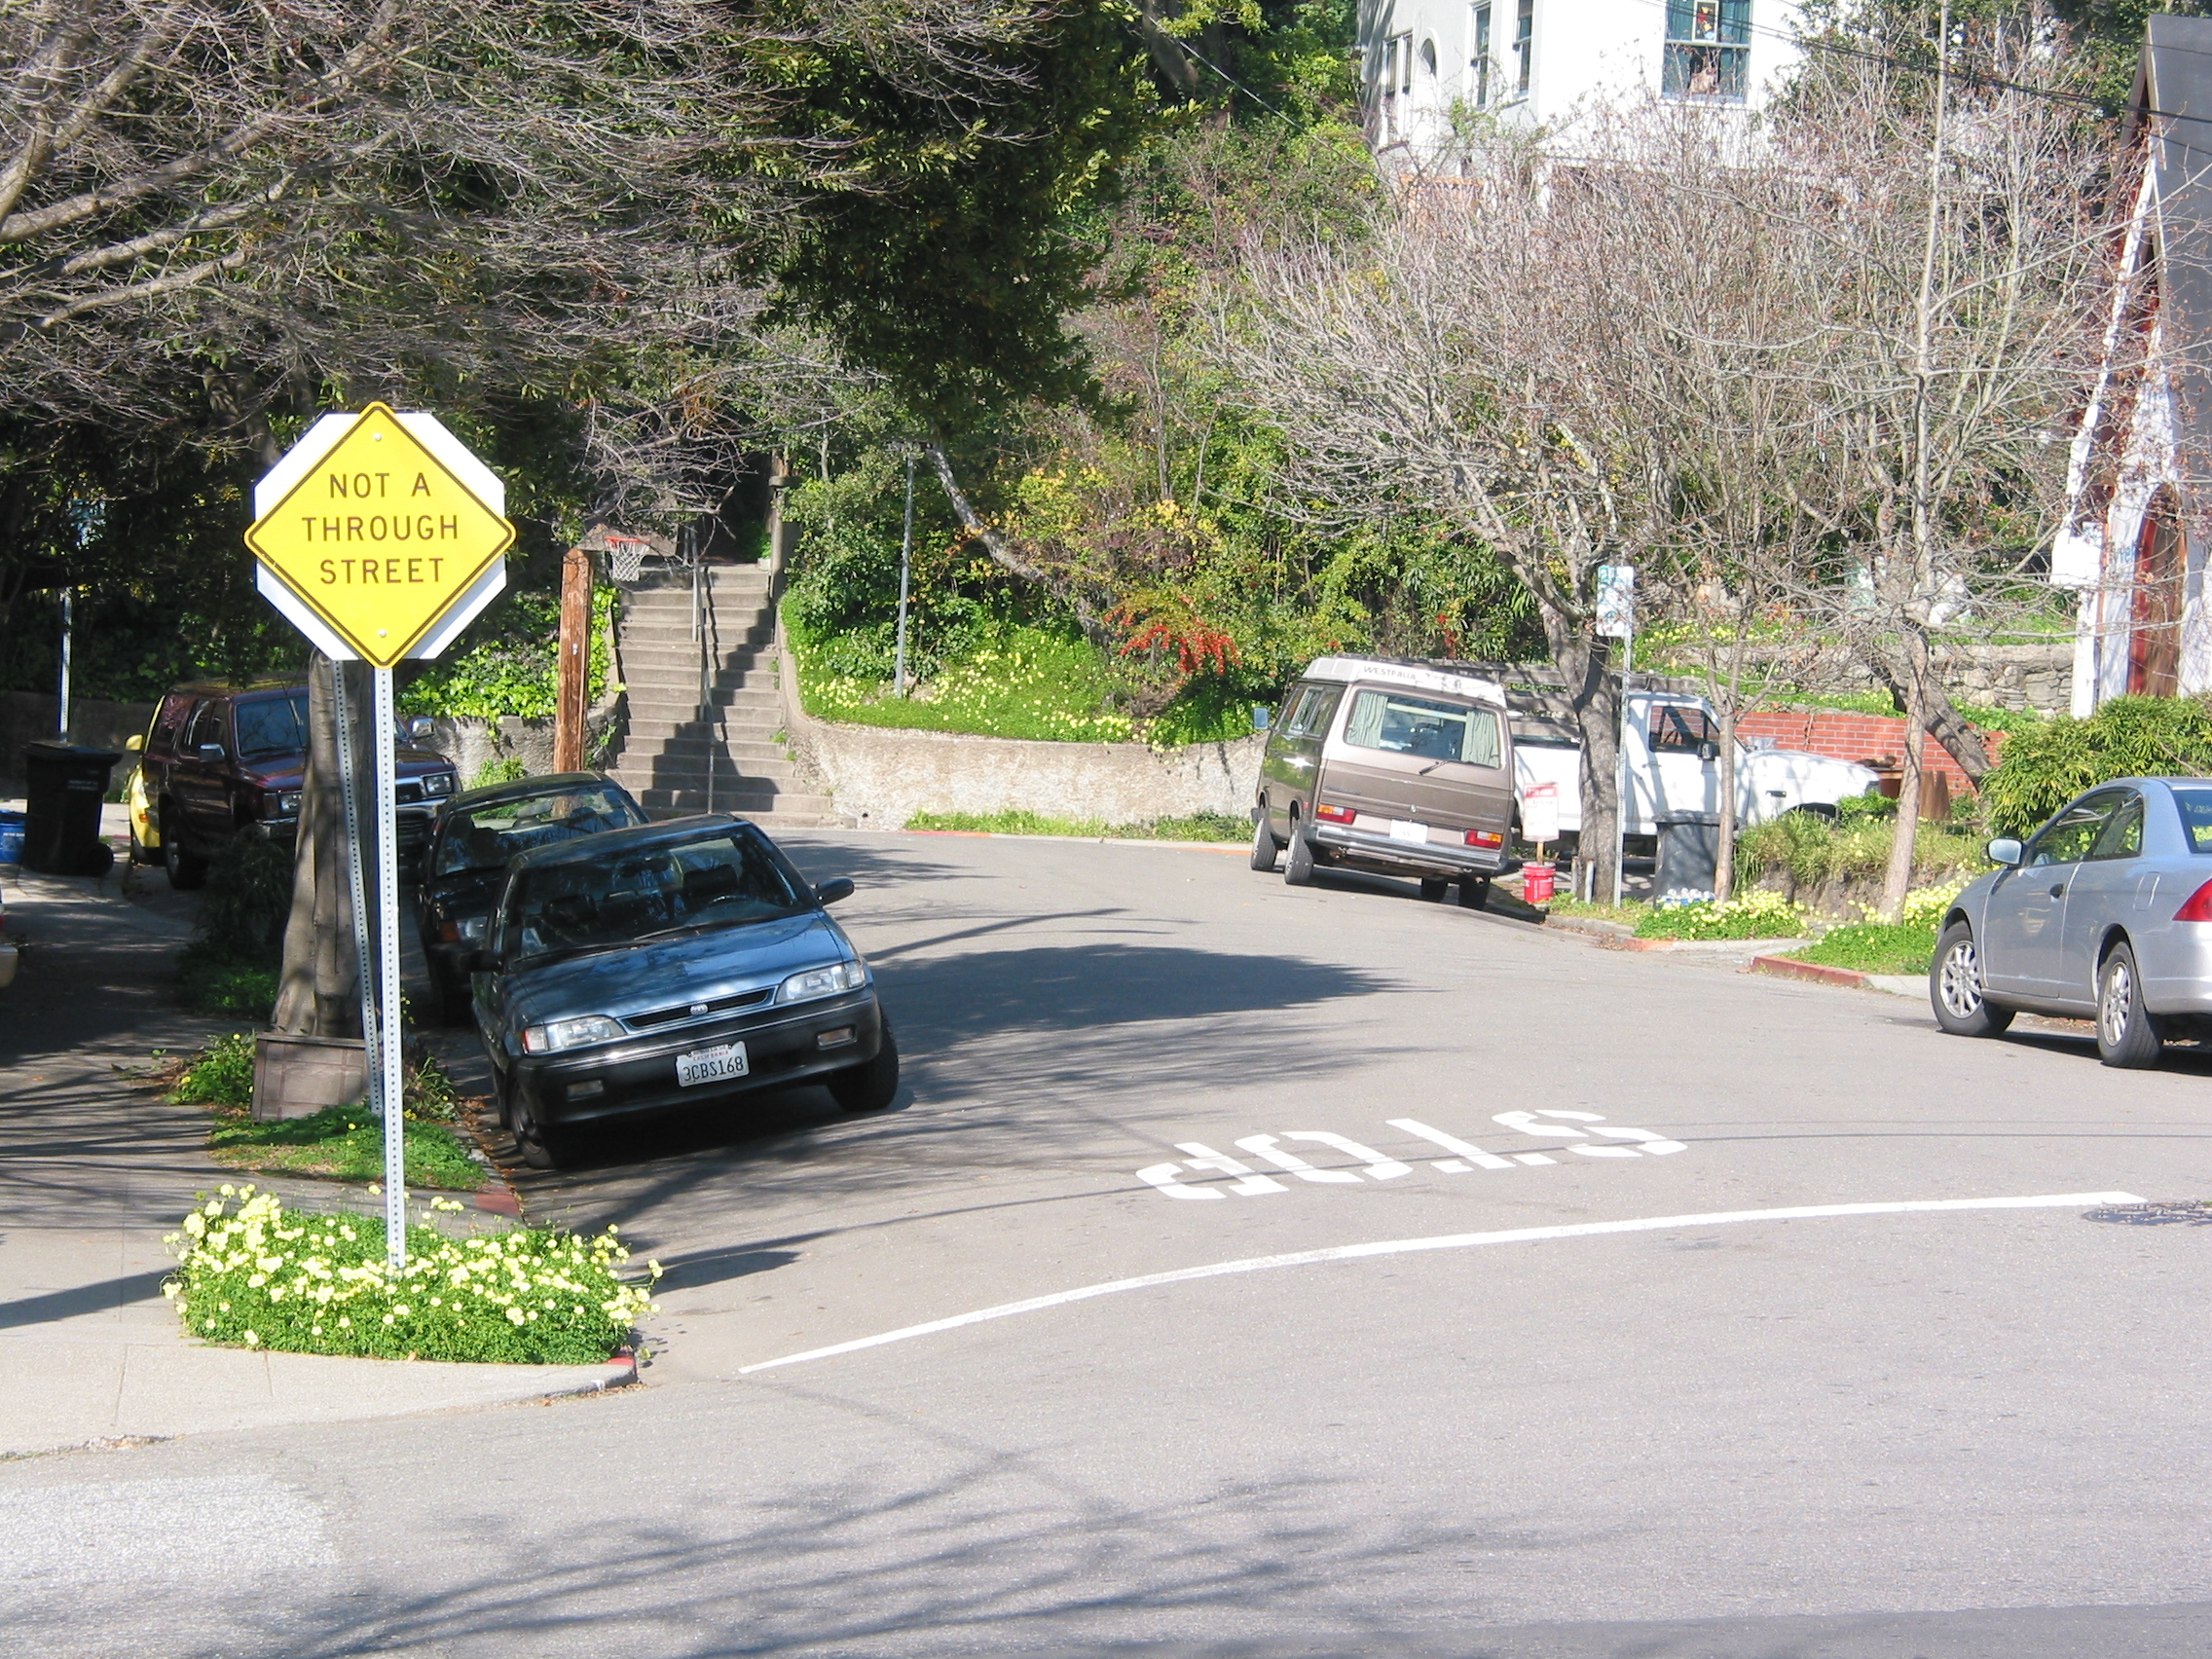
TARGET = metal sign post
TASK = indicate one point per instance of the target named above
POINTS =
(380, 538)
(388, 971)
(1617, 619)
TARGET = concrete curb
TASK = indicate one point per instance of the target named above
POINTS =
(1909, 985)
(1081, 840)
(1782, 968)
(1711, 947)
(67, 1395)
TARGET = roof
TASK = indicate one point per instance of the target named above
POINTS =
(2173, 88)
(522, 788)
(610, 843)
(1402, 671)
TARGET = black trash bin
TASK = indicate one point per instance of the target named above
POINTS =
(1689, 853)
(64, 785)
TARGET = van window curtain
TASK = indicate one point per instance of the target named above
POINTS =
(1482, 747)
(1364, 729)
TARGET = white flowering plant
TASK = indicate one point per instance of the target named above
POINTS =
(1755, 915)
(251, 1273)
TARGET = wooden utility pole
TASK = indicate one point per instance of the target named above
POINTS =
(572, 697)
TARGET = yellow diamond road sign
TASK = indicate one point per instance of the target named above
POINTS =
(380, 536)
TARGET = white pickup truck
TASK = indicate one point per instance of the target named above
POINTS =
(1674, 765)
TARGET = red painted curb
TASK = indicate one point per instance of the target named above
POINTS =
(499, 1203)
(1784, 968)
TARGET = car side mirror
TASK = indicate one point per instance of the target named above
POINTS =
(1263, 716)
(211, 753)
(835, 887)
(1709, 750)
(420, 728)
(2005, 851)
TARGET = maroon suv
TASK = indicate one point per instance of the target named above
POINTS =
(221, 759)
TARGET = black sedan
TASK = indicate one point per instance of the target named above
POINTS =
(652, 969)
(475, 835)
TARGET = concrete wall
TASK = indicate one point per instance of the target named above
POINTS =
(881, 776)
(472, 745)
(27, 716)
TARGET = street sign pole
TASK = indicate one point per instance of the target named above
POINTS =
(388, 975)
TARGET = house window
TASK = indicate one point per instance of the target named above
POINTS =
(1428, 58)
(1524, 45)
(1402, 54)
(1708, 49)
(1479, 63)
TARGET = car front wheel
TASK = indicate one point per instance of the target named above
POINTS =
(1954, 987)
(872, 1087)
(2127, 1032)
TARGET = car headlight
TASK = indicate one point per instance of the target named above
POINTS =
(288, 804)
(822, 982)
(472, 928)
(558, 1034)
(438, 784)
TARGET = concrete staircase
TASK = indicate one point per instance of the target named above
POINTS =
(667, 753)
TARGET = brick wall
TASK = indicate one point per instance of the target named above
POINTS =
(1868, 738)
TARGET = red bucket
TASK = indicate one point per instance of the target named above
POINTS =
(1537, 883)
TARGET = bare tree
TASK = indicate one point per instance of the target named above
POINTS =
(1951, 336)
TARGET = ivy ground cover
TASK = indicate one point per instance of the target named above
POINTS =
(251, 1273)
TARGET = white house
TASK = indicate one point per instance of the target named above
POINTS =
(2140, 489)
(1541, 62)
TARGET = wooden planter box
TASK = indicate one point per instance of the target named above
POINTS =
(297, 1077)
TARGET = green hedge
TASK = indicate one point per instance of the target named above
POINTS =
(2048, 766)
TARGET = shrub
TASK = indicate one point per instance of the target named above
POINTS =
(2047, 765)
(251, 1275)
(221, 1074)
(508, 770)
(510, 670)
(231, 963)
(1750, 915)
(1809, 850)
(1874, 947)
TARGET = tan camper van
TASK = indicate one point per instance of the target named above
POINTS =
(1396, 767)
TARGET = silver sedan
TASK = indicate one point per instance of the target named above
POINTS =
(2104, 913)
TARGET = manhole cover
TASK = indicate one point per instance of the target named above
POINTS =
(2179, 1212)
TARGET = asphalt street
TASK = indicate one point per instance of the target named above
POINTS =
(1919, 1416)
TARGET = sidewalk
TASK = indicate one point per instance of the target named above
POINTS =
(94, 1172)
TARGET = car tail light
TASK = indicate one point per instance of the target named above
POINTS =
(1336, 814)
(1489, 838)
(2199, 905)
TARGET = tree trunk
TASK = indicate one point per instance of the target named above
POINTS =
(320, 991)
(1725, 859)
(1944, 723)
(1904, 842)
(997, 546)
(1594, 692)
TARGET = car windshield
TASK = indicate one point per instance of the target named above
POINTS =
(1423, 727)
(488, 836)
(2196, 817)
(272, 725)
(591, 904)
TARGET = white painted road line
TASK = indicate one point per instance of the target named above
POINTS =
(1442, 1241)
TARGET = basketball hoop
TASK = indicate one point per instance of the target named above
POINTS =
(626, 557)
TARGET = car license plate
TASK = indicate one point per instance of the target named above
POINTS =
(1401, 830)
(710, 1065)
